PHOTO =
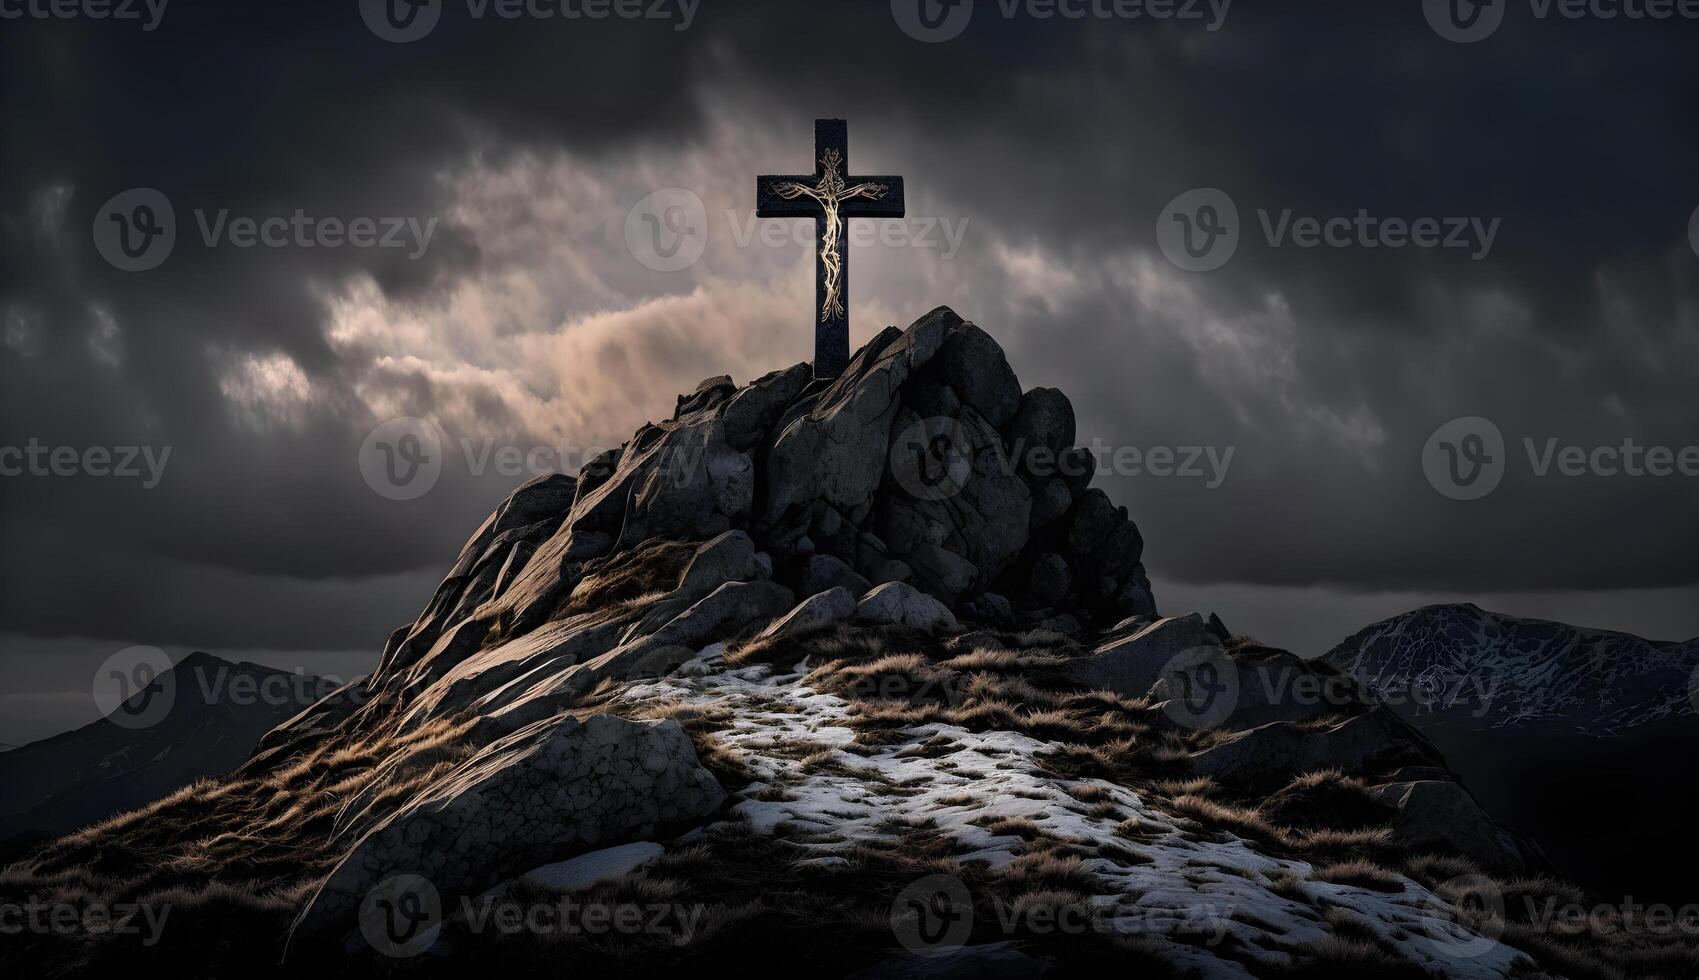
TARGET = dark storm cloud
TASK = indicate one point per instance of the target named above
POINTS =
(1325, 369)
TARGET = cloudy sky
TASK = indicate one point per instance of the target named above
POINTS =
(512, 293)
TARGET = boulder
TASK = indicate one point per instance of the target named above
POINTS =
(1282, 749)
(1441, 811)
(816, 611)
(752, 412)
(822, 572)
(551, 788)
(1050, 501)
(1130, 666)
(974, 367)
(729, 557)
(709, 394)
(1044, 420)
(901, 604)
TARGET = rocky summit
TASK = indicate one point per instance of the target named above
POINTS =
(860, 677)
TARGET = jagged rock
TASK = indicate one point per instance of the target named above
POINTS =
(729, 557)
(974, 367)
(836, 451)
(943, 571)
(1441, 811)
(1289, 749)
(928, 398)
(707, 395)
(1131, 666)
(754, 410)
(822, 609)
(990, 608)
(893, 571)
(822, 572)
(901, 604)
(1050, 579)
(1044, 420)
(544, 791)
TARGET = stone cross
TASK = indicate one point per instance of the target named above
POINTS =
(830, 198)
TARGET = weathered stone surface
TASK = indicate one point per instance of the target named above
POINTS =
(901, 604)
(1045, 420)
(753, 412)
(1130, 666)
(943, 571)
(822, 609)
(1285, 748)
(729, 557)
(822, 572)
(991, 608)
(836, 451)
(973, 366)
(1441, 811)
(548, 789)
(708, 394)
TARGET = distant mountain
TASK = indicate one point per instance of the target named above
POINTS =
(1525, 711)
(218, 711)
(1461, 664)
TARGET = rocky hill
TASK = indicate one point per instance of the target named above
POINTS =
(1520, 706)
(215, 718)
(1464, 665)
(861, 677)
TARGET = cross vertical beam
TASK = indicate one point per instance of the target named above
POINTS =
(831, 198)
